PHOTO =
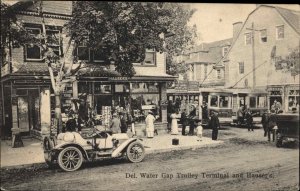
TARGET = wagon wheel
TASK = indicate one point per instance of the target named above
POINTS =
(135, 152)
(70, 159)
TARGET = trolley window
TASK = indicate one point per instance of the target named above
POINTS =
(224, 101)
(214, 101)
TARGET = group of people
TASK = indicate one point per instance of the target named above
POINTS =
(119, 122)
(245, 116)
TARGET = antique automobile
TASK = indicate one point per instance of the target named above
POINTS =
(288, 128)
(70, 149)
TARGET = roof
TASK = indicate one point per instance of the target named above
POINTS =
(209, 52)
(32, 68)
(291, 17)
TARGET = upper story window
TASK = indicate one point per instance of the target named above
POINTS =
(280, 32)
(263, 35)
(218, 73)
(83, 52)
(241, 67)
(150, 58)
(33, 51)
(205, 71)
(225, 50)
(248, 39)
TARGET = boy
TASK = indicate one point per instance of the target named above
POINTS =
(199, 131)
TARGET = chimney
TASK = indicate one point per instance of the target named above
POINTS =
(236, 28)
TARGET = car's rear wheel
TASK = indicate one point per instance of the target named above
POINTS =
(135, 152)
(70, 159)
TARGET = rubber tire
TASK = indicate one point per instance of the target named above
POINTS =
(60, 157)
(130, 146)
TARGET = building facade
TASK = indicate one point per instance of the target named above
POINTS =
(28, 98)
(258, 48)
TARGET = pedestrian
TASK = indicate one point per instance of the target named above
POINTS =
(199, 131)
(249, 119)
(115, 124)
(174, 124)
(240, 116)
(272, 122)
(214, 124)
(74, 123)
(183, 120)
(150, 124)
(123, 120)
(204, 110)
(264, 122)
(192, 116)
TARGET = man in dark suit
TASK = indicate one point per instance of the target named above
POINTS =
(183, 120)
(74, 123)
(264, 122)
(272, 122)
(214, 124)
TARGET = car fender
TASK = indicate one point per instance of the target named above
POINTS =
(64, 145)
(123, 146)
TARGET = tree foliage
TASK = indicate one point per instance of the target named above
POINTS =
(126, 29)
(291, 62)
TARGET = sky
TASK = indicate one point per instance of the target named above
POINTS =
(214, 21)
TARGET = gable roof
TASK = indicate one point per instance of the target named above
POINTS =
(290, 16)
(209, 52)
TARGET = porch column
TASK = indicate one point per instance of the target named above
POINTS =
(164, 99)
(45, 111)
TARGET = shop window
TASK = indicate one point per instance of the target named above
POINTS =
(248, 39)
(224, 101)
(241, 67)
(214, 101)
(102, 88)
(144, 87)
(33, 51)
(280, 32)
(252, 102)
(119, 88)
(263, 35)
(262, 101)
(293, 100)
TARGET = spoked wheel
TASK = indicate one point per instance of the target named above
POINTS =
(70, 159)
(135, 152)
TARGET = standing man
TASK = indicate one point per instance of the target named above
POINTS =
(123, 120)
(272, 122)
(249, 119)
(240, 115)
(183, 120)
(192, 116)
(150, 124)
(214, 124)
(115, 124)
(264, 122)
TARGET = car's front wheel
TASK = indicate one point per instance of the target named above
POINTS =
(135, 152)
(70, 159)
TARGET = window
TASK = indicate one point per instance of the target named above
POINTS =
(241, 67)
(294, 100)
(253, 102)
(263, 35)
(224, 101)
(99, 55)
(280, 32)
(225, 50)
(214, 101)
(149, 58)
(248, 39)
(262, 101)
(33, 51)
(218, 73)
(205, 71)
(53, 39)
(83, 52)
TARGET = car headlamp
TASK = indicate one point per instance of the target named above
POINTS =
(69, 137)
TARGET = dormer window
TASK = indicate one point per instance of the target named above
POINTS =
(33, 51)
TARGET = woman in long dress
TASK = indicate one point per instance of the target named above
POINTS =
(174, 124)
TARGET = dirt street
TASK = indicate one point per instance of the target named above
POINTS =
(246, 161)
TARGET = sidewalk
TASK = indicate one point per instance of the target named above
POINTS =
(32, 152)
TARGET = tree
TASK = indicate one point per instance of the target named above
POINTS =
(291, 62)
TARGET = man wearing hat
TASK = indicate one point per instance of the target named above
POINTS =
(214, 124)
(150, 124)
